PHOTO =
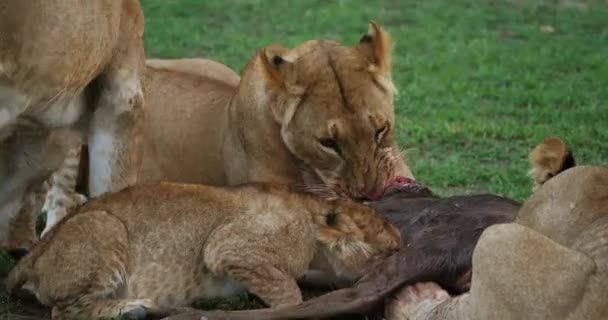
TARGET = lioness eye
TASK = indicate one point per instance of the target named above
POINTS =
(380, 134)
(330, 144)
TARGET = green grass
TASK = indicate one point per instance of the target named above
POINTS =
(479, 83)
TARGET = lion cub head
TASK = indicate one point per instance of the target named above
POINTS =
(334, 106)
(351, 239)
(548, 159)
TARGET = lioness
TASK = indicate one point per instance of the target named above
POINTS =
(552, 263)
(319, 116)
(69, 70)
(164, 245)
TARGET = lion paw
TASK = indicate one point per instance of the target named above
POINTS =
(135, 313)
(137, 309)
(415, 301)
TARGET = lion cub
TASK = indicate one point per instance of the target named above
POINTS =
(158, 246)
(549, 158)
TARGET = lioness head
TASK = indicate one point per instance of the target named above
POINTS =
(334, 106)
(351, 238)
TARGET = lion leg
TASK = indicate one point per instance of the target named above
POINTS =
(114, 138)
(22, 229)
(18, 225)
(267, 282)
(62, 197)
(27, 158)
(114, 144)
(11, 105)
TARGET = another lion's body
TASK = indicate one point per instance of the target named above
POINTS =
(69, 70)
(153, 247)
(550, 263)
(187, 122)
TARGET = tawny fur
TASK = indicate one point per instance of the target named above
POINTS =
(548, 159)
(61, 195)
(22, 227)
(265, 128)
(68, 69)
(552, 263)
(56, 196)
(152, 247)
(35, 149)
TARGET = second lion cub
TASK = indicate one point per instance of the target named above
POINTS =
(153, 247)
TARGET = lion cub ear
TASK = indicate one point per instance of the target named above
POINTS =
(278, 69)
(548, 159)
(377, 45)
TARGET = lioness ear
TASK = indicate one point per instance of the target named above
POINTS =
(277, 68)
(377, 45)
(280, 82)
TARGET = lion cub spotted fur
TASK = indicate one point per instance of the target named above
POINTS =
(152, 247)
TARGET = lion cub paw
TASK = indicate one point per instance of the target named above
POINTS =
(135, 313)
(137, 309)
(415, 301)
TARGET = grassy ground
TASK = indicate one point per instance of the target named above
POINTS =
(481, 82)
